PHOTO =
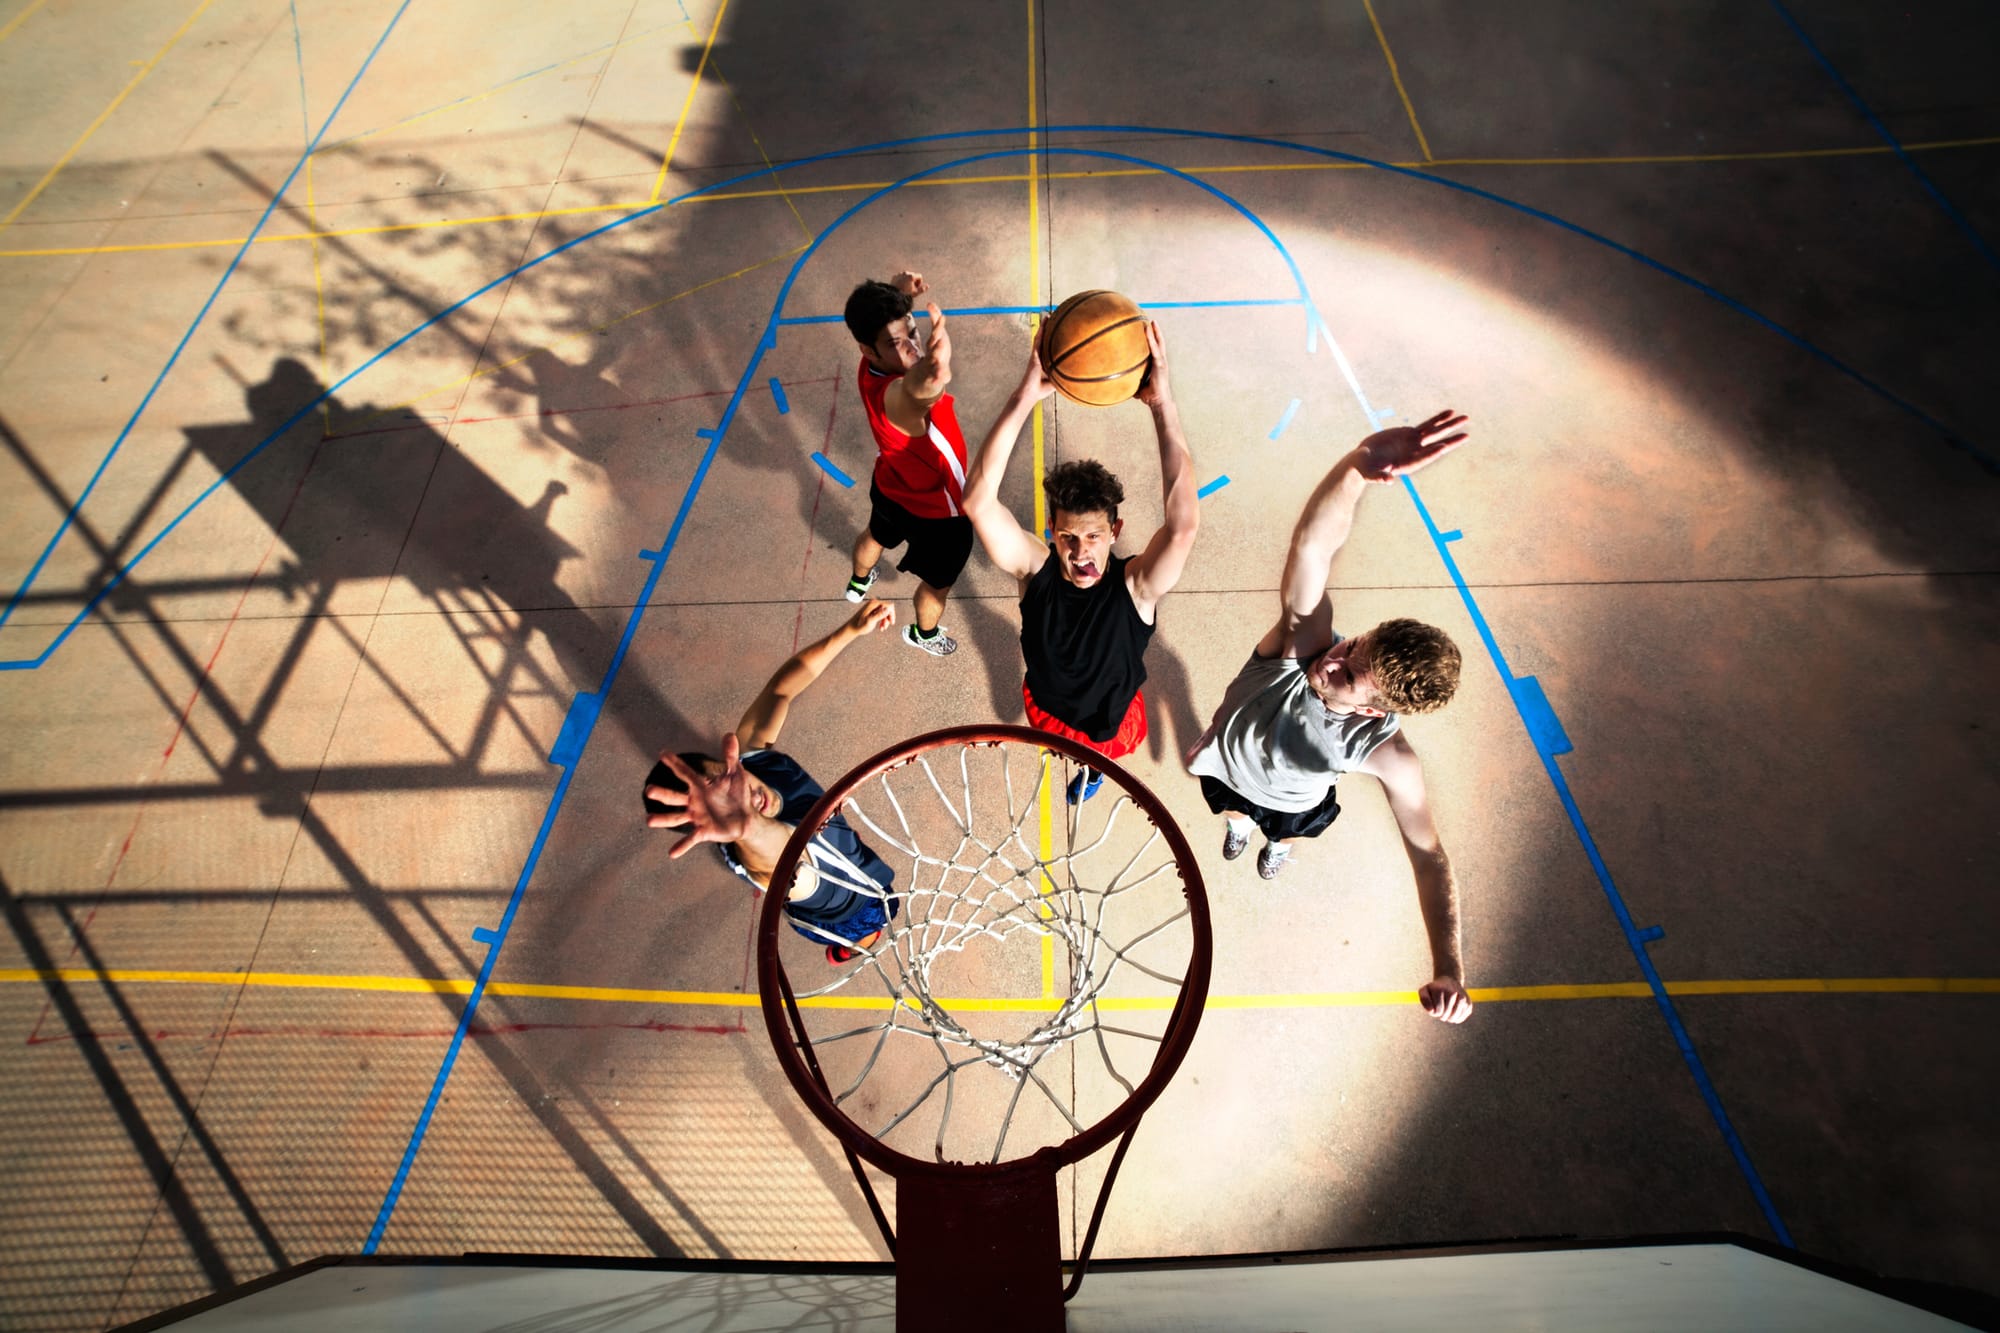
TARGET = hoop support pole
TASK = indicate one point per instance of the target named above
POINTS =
(1097, 1214)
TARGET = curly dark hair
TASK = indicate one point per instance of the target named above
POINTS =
(1414, 666)
(1083, 487)
(873, 307)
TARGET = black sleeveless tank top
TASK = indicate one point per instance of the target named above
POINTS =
(1085, 647)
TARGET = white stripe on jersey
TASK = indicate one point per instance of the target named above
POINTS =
(951, 461)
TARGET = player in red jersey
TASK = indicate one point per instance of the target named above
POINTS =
(918, 490)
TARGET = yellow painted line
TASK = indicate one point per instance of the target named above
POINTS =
(1046, 840)
(1423, 144)
(104, 115)
(660, 181)
(433, 391)
(1624, 990)
(20, 18)
(1671, 159)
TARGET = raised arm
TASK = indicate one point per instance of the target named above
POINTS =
(1305, 615)
(765, 717)
(1394, 762)
(1009, 545)
(1154, 572)
(908, 400)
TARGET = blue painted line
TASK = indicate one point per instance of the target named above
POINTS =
(77, 504)
(31, 663)
(1212, 487)
(580, 739)
(1633, 935)
(1543, 724)
(1285, 421)
(1453, 536)
(576, 726)
(708, 433)
(770, 335)
(484, 935)
(826, 466)
(1651, 933)
(778, 395)
(652, 555)
(835, 319)
(1959, 219)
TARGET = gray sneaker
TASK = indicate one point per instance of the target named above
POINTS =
(1233, 842)
(939, 644)
(858, 588)
(1272, 859)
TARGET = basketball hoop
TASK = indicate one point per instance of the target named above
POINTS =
(1039, 981)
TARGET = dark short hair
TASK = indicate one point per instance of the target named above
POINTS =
(1083, 487)
(872, 307)
(662, 776)
(1414, 666)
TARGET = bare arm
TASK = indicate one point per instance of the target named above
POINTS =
(765, 717)
(908, 400)
(1305, 614)
(1395, 764)
(1009, 545)
(1153, 574)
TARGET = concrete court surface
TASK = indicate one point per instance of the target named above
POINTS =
(1716, 283)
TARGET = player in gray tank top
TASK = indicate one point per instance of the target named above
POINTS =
(1310, 705)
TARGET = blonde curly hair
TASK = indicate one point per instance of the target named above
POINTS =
(1414, 666)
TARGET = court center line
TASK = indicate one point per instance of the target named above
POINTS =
(104, 115)
(724, 196)
(1546, 993)
(1423, 144)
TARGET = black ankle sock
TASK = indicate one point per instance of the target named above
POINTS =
(926, 634)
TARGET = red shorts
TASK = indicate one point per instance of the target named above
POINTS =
(1131, 730)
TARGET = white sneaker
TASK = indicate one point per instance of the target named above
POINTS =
(858, 588)
(939, 644)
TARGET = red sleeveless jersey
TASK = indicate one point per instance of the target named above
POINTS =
(925, 474)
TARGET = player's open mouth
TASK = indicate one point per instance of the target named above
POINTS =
(1083, 569)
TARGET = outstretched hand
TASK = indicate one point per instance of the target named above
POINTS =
(874, 614)
(716, 808)
(1154, 388)
(910, 284)
(1445, 1000)
(1388, 454)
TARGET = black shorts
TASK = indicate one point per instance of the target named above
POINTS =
(1277, 825)
(939, 547)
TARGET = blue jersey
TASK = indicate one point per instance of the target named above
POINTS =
(855, 894)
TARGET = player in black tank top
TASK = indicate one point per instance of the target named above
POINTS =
(1085, 647)
(1087, 615)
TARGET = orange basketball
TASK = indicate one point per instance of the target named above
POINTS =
(1094, 348)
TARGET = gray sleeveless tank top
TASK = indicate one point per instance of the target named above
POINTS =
(1274, 742)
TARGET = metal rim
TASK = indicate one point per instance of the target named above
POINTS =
(775, 993)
